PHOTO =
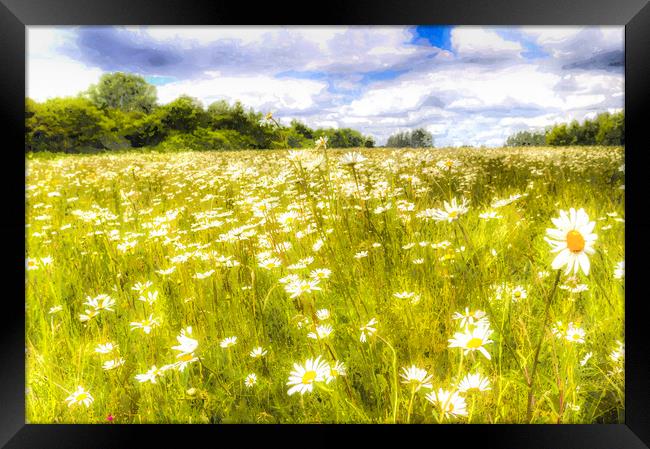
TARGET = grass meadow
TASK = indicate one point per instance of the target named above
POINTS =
(326, 286)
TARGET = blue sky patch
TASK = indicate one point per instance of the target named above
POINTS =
(437, 35)
(159, 80)
(531, 49)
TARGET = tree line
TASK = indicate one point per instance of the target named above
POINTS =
(604, 129)
(417, 138)
(121, 111)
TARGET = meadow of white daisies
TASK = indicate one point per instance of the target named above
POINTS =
(326, 286)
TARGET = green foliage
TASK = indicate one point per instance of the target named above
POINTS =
(203, 139)
(418, 138)
(184, 114)
(604, 129)
(611, 129)
(66, 125)
(302, 129)
(526, 138)
(121, 112)
(124, 91)
(421, 138)
(341, 137)
(222, 116)
(559, 136)
(146, 130)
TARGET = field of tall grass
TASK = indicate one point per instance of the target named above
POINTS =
(326, 286)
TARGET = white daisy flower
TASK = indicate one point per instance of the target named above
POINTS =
(302, 378)
(322, 314)
(473, 340)
(187, 345)
(416, 377)
(80, 396)
(450, 212)
(619, 270)
(470, 317)
(228, 342)
(575, 334)
(352, 159)
(258, 352)
(112, 364)
(474, 382)
(105, 348)
(335, 370)
(322, 332)
(146, 325)
(250, 380)
(450, 404)
(573, 240)
(368, 330)
(151, 375)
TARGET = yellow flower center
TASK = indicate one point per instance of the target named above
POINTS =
(575, 241)
(449, 164)
(517, 294)
(334, 372)
(186, 357)
(305, 287)
(81, 396)
(474, 343)
(450, 407)
(576, 336)
(453, 214)
(308, 377)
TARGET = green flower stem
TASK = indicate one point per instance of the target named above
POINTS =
(395, 401)
(531, 384)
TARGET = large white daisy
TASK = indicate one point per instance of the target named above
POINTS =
(302, 378)
(573, 240)
(473, 340)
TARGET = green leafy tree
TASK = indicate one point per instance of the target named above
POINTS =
(145, 129)
(604, 129)
(302, 129)
(611, 129)
(185, 114)
(526, 138)
(559, 136)
(418, 138)
(399, 140)
(222, 116)
(67, 125)
(124, 91)
(421, 138)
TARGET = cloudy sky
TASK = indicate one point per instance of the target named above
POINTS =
(466, 85)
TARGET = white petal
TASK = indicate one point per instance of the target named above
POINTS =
(584, 263)
(556, 234)
(485, 353)
(587, 228)
(582, 218)
(561, 259)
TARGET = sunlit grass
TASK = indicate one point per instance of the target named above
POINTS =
(351, 258)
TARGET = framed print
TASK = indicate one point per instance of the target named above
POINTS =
(408, 216)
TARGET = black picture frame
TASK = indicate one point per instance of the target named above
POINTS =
(15, 15)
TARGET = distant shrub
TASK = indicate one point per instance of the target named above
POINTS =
(203, 139)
